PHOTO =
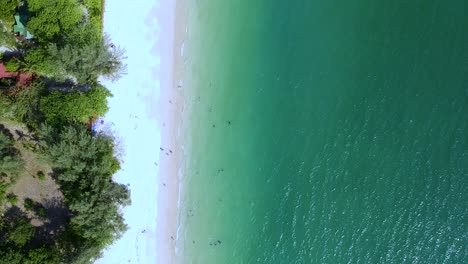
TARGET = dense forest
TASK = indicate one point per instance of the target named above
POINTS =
(58, 201)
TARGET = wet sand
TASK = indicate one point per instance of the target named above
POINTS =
(171, 114)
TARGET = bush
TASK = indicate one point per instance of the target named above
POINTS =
(38, 208)
(6, 104)
(28, 204)
(41, 212)
(10, 161)
(41, 175)
(12, 198)
(12, 65)
(21, 233)
(3, 189)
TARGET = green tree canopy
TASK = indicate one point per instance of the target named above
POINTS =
(10, 160)
(53, 18)
(6, 37)
(26, 104)
(7, 12)
(21, 233)
(16, 249)
(59, 107)
(84, 34)
(85, 164)
(11, 256)
(85, 62)
(69, 53)
(41, 255)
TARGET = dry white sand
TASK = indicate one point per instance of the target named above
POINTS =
(145, 113)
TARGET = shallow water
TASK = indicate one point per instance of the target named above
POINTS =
(326, 132)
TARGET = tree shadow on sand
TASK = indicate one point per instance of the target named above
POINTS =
(54, 223)
(11, 216)
(6, 131)
(67, 85)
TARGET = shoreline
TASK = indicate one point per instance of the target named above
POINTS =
(171, 106)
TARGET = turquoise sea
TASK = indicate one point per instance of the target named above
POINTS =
(326, 131)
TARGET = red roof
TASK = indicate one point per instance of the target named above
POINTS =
(23, 79)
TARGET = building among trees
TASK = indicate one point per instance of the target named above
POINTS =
(19, 28)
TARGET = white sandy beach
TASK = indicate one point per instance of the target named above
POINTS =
(145, 114)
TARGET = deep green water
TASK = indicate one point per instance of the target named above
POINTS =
(348, 133)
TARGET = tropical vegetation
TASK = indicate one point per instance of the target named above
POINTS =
(45, 135)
